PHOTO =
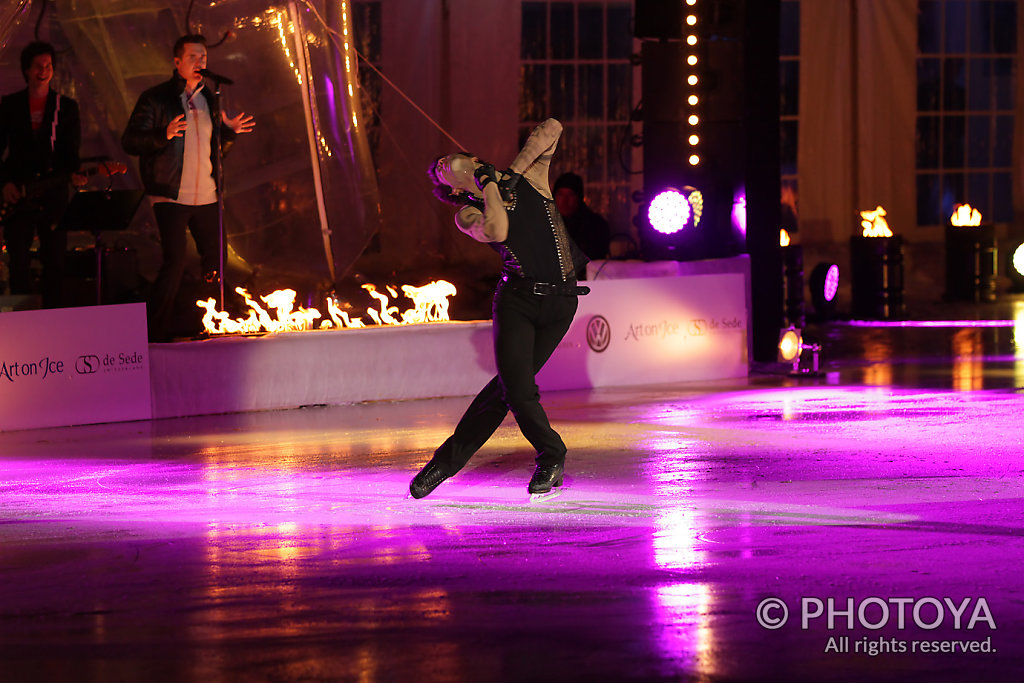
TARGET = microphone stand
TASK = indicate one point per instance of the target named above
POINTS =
(220, 190)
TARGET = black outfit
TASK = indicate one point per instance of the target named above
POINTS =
(527, 329)
(160, 164)
(49, 155)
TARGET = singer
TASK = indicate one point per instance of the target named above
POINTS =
(173, 130)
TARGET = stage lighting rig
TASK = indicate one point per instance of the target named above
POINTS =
(791, 350)
(672, 210)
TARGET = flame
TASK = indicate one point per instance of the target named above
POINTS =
(430, 304)
(874, 224)
(783, 237)
(965, 215)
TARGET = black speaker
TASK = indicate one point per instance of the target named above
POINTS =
(658, 19)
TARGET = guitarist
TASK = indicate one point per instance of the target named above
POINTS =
(39, 139)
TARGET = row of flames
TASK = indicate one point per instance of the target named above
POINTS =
(875, 225)
(278, 313)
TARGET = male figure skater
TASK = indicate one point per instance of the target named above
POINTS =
(533, 305)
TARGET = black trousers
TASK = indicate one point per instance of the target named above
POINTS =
(172, 220)
(527, 329)
(18, 231)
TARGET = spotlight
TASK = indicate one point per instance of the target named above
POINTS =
(667, 221)
(824, 287)
(789, 344)
(1015, 269)
(791, 348)
(669, 212)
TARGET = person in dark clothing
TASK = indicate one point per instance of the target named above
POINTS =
(534, 303)
(588, 229)
(175, 129)
(40, 134)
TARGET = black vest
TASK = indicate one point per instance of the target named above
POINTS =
(538, 247)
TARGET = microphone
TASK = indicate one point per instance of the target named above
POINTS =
(206, 73)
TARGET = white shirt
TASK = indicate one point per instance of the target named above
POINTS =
(197, 184)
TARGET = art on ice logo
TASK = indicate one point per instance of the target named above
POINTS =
(14, 370)
(874, 613)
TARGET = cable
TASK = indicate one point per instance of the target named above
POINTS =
(39, 21)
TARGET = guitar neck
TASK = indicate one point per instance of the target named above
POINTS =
(36, 188)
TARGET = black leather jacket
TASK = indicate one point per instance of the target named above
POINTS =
(27, 154)
(160, 159)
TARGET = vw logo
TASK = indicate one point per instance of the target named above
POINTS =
(599, 333)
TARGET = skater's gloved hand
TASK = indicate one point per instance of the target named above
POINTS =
(485, 174)
(508, 183)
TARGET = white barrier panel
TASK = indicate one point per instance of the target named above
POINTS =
(654, 330)
(643, 331)
(71, 366)
(322, 367)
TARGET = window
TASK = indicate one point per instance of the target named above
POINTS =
(575, 66)
(965, 108)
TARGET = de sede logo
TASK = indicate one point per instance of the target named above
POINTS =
(86, 364)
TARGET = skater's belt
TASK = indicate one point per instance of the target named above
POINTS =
(568, 288)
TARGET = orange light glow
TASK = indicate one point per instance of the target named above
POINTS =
(278, 313)
(965, 215)
(783, 238)
(874, 223)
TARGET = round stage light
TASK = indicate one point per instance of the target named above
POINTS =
(831, 282)
(694, 160)
(669, 212)
(789, 345)
(693, 120)
(691, 40)
(691, 60)
(824, 287)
